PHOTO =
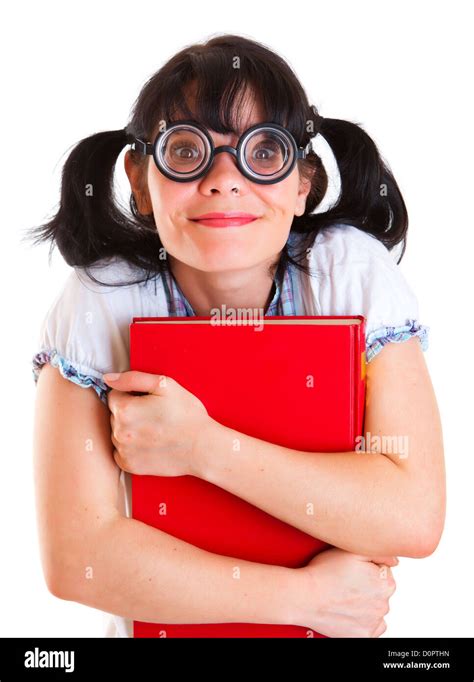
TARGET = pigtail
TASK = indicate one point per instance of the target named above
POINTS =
(89, 225)
(370, 198)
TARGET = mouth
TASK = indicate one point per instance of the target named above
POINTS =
(229, 219)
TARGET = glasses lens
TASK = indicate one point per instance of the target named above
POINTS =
(267, 152)
(183, 150)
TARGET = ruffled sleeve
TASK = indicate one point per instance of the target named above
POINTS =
(72, 370)
(355, 274)
(378, 338)
(85, 332)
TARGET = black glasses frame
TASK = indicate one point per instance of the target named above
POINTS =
(154, 149)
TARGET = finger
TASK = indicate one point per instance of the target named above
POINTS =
(380, 629)
(114, 441)
(386, 560)
(118, 459)
(385, 574)
(138, 381)
(117, 399)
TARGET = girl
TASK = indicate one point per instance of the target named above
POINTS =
(224, 186)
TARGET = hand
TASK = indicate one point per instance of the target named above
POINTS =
(345, 594)
(155, 433)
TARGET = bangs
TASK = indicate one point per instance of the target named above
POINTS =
(208, 88)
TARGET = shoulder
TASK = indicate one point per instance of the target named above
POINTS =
(85, 331)
(115, 288)
(100, 297)
(340, 244)
(354, 273)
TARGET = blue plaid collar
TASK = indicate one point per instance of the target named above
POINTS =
(282, 303)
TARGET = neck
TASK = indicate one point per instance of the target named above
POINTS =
(236, 289)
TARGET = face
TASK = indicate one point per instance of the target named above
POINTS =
(222, 189)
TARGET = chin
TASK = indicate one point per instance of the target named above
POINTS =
(230, 257)
(223, 265)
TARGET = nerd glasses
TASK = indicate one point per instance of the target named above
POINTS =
(266, 153)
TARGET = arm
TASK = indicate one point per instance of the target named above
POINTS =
(362, 502)
(93, 555)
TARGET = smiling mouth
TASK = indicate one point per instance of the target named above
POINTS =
(235, 221)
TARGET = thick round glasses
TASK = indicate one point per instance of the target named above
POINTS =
(266, 153)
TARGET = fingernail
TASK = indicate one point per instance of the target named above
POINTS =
(111, 377)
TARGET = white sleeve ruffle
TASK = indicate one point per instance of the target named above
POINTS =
(85, 332)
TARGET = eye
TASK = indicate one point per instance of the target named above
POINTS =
(266, 154)
(266, 150)
(184, 151)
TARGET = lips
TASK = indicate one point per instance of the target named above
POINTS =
(227, 219)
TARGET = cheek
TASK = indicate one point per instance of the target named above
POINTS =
(164, 193)
(168, 199)
(281, 196)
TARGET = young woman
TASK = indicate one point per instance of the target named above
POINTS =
(224, 184)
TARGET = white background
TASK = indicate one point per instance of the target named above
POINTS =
(404, 71)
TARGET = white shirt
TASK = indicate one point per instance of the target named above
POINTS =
(85, 332)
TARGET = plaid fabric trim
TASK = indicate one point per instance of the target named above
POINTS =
(378, 338)
(282, 303)
(69, 371)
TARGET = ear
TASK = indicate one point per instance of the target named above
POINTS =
(136, 176)
(303, 191)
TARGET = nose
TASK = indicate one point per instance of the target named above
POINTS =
(224, 174)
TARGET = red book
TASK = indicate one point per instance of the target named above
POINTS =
(297, 381)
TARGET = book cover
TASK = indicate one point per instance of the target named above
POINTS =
(295, 381)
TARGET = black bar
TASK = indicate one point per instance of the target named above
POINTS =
(312, 659)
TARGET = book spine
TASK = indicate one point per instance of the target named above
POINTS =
(361, 373)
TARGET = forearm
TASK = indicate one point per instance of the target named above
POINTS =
(359, 501)
(142, 573)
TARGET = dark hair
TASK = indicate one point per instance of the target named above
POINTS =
(89, 227)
